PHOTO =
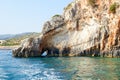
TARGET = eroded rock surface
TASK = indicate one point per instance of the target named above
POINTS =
(28, 48)
(84, 29)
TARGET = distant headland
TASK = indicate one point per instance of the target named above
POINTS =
(11, 41)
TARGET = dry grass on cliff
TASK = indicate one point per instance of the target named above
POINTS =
(92, 2)
(68, 7)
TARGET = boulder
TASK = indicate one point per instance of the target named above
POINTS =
(28, 48)
(55, 22)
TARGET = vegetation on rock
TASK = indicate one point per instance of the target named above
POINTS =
(57, 15)
(113, 8)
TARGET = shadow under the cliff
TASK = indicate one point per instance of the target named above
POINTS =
(55, 52)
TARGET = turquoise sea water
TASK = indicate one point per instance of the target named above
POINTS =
(58, 68)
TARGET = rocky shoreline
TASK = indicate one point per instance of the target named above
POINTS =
(86, 28)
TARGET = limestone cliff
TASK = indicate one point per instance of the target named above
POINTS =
(86, 28)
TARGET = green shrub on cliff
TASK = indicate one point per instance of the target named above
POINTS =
(57, 15)
(113, 8)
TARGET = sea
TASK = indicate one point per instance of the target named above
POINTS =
(58, 68)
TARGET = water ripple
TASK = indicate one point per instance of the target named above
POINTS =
(61, 68)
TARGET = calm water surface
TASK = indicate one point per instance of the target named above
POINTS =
(58, 68)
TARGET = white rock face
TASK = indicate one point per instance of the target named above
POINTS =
(87, 28)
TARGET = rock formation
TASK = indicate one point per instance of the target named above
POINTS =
(28, 48)
(86, 28)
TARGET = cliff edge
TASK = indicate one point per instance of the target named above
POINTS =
(86, 28)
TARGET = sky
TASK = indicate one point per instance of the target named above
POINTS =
(18, 16)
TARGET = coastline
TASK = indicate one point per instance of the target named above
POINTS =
(8, 47)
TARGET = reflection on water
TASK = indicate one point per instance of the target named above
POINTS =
(58, 68)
